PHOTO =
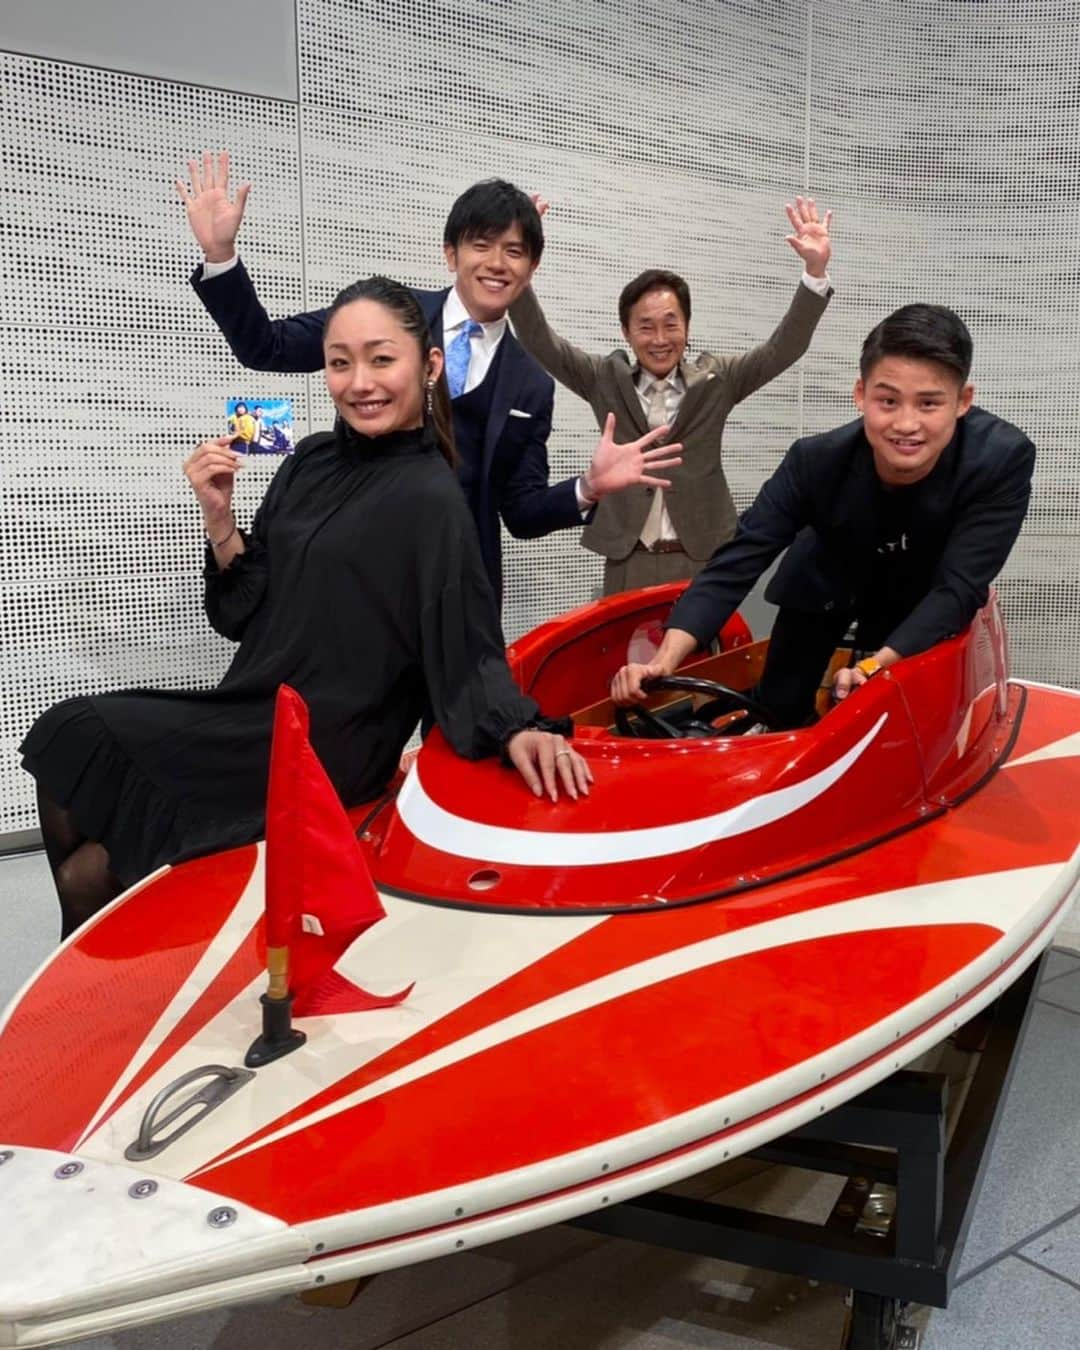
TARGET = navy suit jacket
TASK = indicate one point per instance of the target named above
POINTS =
(822, 500)
(510, 467)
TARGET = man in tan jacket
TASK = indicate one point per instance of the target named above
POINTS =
(652, 535)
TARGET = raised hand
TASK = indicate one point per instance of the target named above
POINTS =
(618, 466)
(211, 471)
(213, 217)
(542, 207)
(811, 238)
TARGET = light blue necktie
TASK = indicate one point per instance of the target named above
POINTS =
(458, 354)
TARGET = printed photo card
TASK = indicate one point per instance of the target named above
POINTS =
(261, 426)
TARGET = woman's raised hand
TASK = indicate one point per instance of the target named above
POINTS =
(213, 217)
(211, 470)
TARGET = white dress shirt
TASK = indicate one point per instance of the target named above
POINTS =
(658, 519)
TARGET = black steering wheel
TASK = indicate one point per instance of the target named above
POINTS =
(721, 700)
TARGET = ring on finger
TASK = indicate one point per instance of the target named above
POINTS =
(559, 753)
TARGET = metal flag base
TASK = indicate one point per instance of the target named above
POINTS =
(279, 1036)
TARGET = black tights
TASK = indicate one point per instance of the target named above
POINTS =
(79, 866)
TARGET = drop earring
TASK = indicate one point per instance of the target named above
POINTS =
(429, 396)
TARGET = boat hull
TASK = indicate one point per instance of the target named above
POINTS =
(546, 1063)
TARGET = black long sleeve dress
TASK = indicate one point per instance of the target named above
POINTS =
(362, 587)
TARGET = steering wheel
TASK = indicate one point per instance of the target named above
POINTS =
(722, 699)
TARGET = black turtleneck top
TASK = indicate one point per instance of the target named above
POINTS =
(362, 587)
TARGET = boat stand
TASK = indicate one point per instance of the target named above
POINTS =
(896, 1232)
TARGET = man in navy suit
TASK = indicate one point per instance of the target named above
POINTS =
(898, 522)
(502, 402)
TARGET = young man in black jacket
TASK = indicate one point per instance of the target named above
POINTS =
(898, 521)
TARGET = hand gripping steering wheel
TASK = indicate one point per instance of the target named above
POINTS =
(721, 700)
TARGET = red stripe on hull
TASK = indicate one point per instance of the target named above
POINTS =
(77, 1027)
(238, 972)
(625, 1065)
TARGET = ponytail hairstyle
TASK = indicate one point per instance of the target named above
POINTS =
(401, 302)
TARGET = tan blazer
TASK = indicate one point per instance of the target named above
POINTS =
(699, 499)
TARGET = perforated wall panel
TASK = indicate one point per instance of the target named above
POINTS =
(662, 135)
(111, 375)
(948, 138)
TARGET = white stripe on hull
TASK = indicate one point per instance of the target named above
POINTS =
(746, 1118)
(441, 829)
(1066, 748)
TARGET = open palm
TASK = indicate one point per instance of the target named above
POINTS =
(632, 464)
(810, 239)
(213, 216)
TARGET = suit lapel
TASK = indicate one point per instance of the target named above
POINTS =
(697, 383)
(431, 302)
(627, 395)
(509, 375)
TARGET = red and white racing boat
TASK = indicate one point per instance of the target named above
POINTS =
(730, 936)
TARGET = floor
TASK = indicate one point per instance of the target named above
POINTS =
(1019, 1284)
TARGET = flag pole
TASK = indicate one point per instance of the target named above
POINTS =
(279, 1036)
(283, 884)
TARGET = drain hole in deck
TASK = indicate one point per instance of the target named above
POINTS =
(484, 879)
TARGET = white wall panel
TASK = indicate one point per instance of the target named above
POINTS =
(112, 373)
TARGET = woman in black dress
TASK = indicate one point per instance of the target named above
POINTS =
(360, 584)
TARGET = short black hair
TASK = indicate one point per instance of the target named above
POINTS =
(490, 207)
(926, 333)
(653, 279)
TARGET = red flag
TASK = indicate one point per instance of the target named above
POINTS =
(319, 893)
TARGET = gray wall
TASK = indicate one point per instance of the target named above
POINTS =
(944, 135)
(248, 46)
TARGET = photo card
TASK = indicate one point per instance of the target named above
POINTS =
(261, 426)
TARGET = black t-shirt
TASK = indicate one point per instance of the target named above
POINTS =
(899, 567)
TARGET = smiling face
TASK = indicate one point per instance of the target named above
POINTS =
(910, 409)
(375, 370)
(491, 271)
(656, 331)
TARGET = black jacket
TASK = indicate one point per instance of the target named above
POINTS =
(824, 502)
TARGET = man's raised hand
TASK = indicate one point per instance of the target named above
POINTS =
(213, 217)
(811, 235)
(631, 465)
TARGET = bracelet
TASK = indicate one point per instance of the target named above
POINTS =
(220, 543)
